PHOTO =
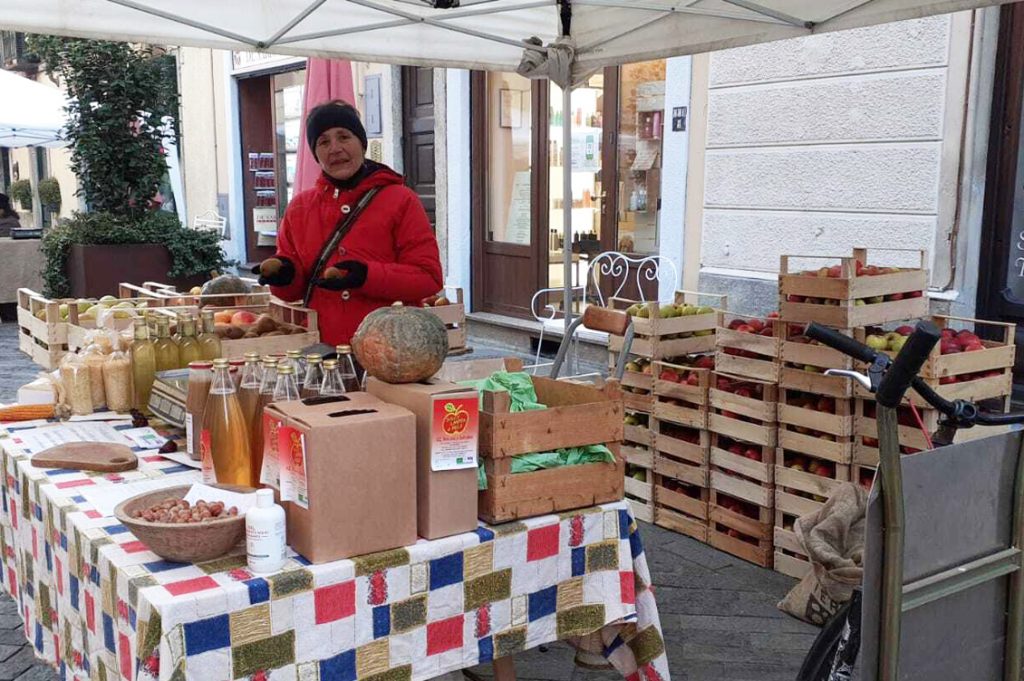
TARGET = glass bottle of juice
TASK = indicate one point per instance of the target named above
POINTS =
(249, 387)
(314, 376)
(189, 349)
(265, 396)
(166, 349)
(347, 367)
(200, 378)
(224, 444)
(331, 385)
(287, 387)
(209, 341)
(143, 366)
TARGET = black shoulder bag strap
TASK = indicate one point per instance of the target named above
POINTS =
(344, 226)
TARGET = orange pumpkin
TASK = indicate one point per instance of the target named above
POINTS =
(401, 344)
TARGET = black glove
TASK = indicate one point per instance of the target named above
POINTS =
(353, 276)
(282, 277)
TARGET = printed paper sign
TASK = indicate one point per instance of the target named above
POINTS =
(270, 473)
(455, 431)
(206, 457)
(291, 453)
(146, 438)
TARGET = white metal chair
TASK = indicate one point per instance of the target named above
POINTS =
(211, 221)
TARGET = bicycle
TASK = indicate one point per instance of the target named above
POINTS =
(889, 379)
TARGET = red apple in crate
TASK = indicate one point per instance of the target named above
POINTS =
(736, 323)
(905, 330)
(973, 346)
(736, 449)
(948, 346)
(744, 392)
(870, 442)
(705, 362)
(668, 375)
(752, 453)
(858, 267)
(835, 271)
(756, 324)
(745, 328)
(946, 380)
(724, 384)
(894, 296)
(767, 331)
(915, 294)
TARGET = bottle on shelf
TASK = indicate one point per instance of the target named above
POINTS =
(167, 356)
(224, 444)
(189, 349)
(347, 366)
(331, 385)
(209, 341)
(143, 366)
(200, 379)
(314, 376)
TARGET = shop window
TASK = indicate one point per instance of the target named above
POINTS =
(509, 158)
(641, 120)
(289, 93)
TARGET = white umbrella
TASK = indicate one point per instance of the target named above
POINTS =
(31, 114)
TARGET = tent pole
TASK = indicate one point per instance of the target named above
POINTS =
(567, 204)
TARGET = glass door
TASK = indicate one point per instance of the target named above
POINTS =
(586, 115)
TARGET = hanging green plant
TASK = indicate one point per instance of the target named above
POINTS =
(49, 193)
(21, 191)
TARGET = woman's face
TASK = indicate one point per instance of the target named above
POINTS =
(339, 153)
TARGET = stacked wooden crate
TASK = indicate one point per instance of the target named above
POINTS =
(817, 412)
(42, 327)
(679, 330)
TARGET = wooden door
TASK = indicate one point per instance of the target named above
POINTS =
(509, 252)
(418, 135)
(1001, 269)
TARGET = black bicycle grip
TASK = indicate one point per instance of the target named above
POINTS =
(836, 340)
(908, 362)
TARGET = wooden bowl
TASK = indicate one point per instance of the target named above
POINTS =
(186, 542)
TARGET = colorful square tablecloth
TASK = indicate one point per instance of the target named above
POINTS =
(99, 605)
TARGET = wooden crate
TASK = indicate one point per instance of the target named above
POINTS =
(852, 299)
(638, 455)
(912, 439)
(750, 355)
(282, 312)
(660, 337)
(724, 454)
(835, 448)
(640, 494)
(257, 295)
(790, 558)
(692, 388)
(42, 331)
(799, 492)
(803, 364)
(638, 386)
(996, 385)
(682, 443)
(80, 328)
(577, 415)
(453, 316)
(742, 409)
(681, 506)
(639, 433)
(745, 535)
(823, 414)
(863, 475)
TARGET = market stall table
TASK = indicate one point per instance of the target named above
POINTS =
(97, 603)
(21, 266)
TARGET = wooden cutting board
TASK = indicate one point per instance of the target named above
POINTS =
(88, 456)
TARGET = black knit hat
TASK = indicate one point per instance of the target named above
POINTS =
(336, 114)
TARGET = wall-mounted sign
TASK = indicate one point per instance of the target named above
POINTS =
(254, 61)
(372, 116)
(679, 119)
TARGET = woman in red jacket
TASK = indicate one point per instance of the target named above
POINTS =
(388, 254)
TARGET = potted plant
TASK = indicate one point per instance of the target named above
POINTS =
(21, 191)
(122, 107)
(49, 193)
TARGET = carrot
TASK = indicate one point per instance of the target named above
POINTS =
(26, 412)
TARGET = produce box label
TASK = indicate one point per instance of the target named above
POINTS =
(291, 454)
(454, 432)
(270, 471)
(206, 457)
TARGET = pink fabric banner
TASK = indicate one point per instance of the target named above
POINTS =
(326, 79)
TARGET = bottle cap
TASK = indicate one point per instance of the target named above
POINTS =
(312, 357)
(285, 370)
(330, 364)
(293, 354)
(251, 355)
(344, 349)
(220, 363)
(270, 361)
(264, 498)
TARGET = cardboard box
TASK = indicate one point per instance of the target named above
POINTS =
(447, 431)
(348, 475)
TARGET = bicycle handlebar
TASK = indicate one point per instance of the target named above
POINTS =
(911, 356)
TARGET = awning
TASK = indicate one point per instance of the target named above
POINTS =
(480, 34)
(31, 114)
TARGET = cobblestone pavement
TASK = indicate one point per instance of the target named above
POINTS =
(718, 612)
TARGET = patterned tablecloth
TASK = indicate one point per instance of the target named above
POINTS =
(99, 605)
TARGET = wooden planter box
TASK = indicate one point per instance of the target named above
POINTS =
(750, 355)
(96, 271)
(853, 300)
(42, 332)
(577, 415)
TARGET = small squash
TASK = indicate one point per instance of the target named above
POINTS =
(401, 344)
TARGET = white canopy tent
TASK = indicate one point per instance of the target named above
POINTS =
(561, 39)
(31, 114)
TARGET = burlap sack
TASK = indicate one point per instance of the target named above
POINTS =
(833, 538)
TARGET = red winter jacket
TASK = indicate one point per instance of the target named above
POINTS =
(392, 236)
